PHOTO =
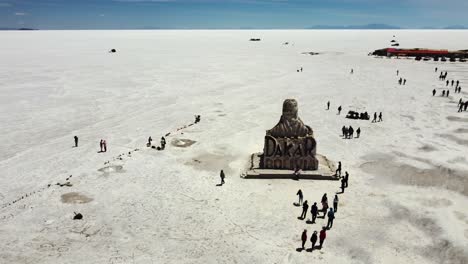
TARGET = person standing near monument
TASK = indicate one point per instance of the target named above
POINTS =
(331, 217)
(338, 171)
(76, 141)
(323, 235)
(313, 239)
(314, 212)
(305, 208)
(304, 238)
(335, 203)
(339, 109)
(299, 193)
(222, 176)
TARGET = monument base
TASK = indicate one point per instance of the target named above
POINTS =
(326, 171)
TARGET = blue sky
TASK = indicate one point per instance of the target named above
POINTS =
(129, 14)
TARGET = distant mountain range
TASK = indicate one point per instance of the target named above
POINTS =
(381, 26)
(368, 26)
(17, 28)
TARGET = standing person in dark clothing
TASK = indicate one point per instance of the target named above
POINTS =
(375, 117)
(352, 71)
(448, 93)
(76, 141)
(328, 105)
(149, 141)
(104, 145)
(465, 106)
(313, 239)
(397, 72)
(404, 82)
(433, 92)
(344, 130)
(452, 82)
(323, 235)
(447, 83)
(351, 132)
(163, 143)
(338, 171)
(343, 183)
(458, 82)
(339, 109)
(460, 108)
(314, 212)
(436, 69)
(304, 238)
(358, 132)
(101, 145)
(299, 193)
(443, 93)
(400, 81)
(222, 176)
(460, 102)
(380, 117)
(305, 207)
(346, 177)
(331, 217)
(335, 203)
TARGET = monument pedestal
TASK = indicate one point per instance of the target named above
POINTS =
(326, 170)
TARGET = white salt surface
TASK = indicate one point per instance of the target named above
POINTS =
(407, 199)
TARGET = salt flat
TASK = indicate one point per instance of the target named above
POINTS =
(407, 200)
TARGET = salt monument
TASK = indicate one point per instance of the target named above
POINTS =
(290, 144)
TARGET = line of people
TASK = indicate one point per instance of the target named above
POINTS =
(327, 212)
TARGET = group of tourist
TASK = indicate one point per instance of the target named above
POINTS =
(442, 75)
(327, 211)
(103, 145)
(402, 81)
(375, 117)
(462, 106)
(348, 132)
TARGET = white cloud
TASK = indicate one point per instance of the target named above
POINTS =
(20, 14)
